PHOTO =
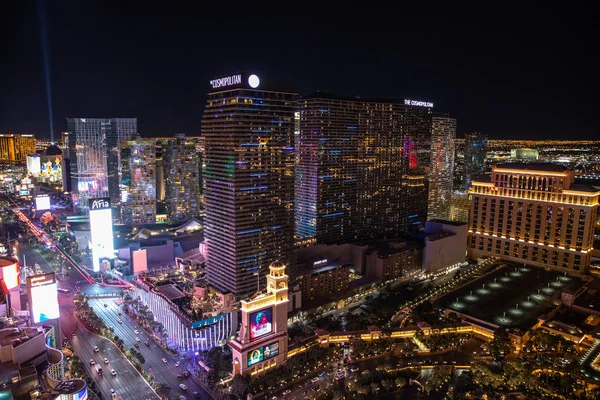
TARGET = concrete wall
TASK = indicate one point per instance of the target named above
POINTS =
(446, 251)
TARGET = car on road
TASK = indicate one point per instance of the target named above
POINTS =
(111, 328)
(177, 364)
(186, 374)
(105, 360)
(315, 379)
(147, 343)
(96, 349)
(120, 321)
(92, 362)
(183, 387)
(73, 333)
(113, 372)
(136, 332)
(137, 339)
(197, 395)
(105, 305)
(179, 377)
(287, 392)
(136, 344)
(113, 394)
(120, 313)
(339, 375)
(354, 369)
(164, 360)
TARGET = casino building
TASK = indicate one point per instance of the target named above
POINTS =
(262, 340)
(533, 213)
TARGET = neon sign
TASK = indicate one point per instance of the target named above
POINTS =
(226, 81)
(417, 103)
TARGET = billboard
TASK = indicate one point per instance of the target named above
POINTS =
(102, 230)
(42, 202)
(43, 297)
(9, 269)
(81, 395)
(263, 353)
(261, 323)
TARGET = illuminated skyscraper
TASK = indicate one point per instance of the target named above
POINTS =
(15, 147)
(182, 178)
(475, 153)
(533, 214)
(248, 133)
(361, 167)
(138, 181)
(441, 176)
(94, 153)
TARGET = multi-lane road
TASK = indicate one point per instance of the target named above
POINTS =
(128, 383)
(155, 356)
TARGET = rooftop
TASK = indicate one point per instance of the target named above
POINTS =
(171, 291)
(445, 221)
(547, 167)
(16, 336)
(582, 187)
(438, 236)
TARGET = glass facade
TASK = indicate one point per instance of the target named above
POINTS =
(138, 182)
(441, 177)
(248, 136)
(95, 157)
(361, 168)
(475, 153)
(182, 163)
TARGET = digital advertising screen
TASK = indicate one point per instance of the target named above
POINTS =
(261, 323)
(44, 302)
(101, 228)
(263, 353)
(42, 202)
(23, 192)
(10, 274)
(82, 395)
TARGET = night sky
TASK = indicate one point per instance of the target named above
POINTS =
(511, 73)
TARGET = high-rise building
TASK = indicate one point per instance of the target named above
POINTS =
(160, 172)
(138, 181)
(361, 167)
(533, 214)
(475, 152)
(248, 135)
(182, 178)
(441, 176)
(95, 157)
(14, 147)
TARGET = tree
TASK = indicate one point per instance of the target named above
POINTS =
(240, 386)
(163, 390)
(400, 381)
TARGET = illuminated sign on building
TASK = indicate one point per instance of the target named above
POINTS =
(320, 262)
(261, 323)
(42, 202)
(417, 103)
(43, 297)
(263, 353)
(9, 269)
(101, 228)
(208, 321)
(226, 81)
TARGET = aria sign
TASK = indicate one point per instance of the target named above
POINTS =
(233, 80)
(99, 204)
(418, 103)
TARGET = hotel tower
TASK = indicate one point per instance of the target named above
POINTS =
(248, 136)
(533, 214)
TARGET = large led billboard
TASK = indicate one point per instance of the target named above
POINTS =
(82, 395)
(43, 297)
(101, 228)
(42, 202)
(9, 272)
(263, 353)
(261, 323)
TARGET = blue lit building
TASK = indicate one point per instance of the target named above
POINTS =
(475, 153)
(248, 137)
(361, 168)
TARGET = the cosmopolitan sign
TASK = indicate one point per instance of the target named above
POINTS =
(226, 81)
(417, 103)
(233, 80)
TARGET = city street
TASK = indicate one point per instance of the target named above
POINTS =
(153, 355)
